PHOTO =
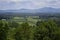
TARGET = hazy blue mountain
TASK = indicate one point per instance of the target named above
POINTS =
(50, 10)
(41, 10)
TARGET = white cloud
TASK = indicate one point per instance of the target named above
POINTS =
(29, 4)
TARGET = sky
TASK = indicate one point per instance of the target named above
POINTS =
(28, 4)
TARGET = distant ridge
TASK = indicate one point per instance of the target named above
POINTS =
(50, 10)
(41, 10)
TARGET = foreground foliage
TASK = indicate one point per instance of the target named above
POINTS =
(43, 30)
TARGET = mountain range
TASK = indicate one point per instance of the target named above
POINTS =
(41, 10)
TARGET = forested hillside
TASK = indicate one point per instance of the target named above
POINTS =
(43, 30)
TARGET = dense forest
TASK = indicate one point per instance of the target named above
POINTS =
(43, 30)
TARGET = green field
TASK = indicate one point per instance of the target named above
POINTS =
(30, 19)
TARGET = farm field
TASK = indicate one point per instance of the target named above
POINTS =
(30, 19)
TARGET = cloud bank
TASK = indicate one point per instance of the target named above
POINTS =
(28, 4)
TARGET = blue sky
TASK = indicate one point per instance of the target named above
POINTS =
(28, 4)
